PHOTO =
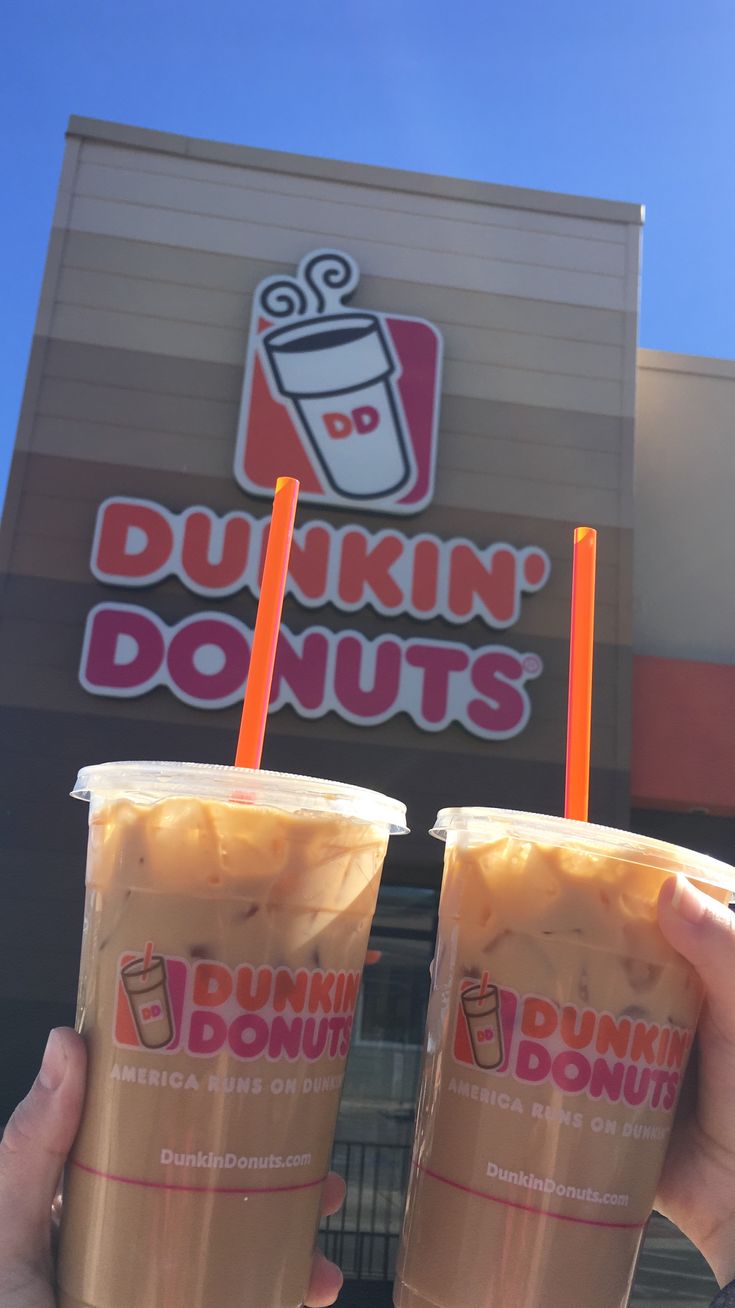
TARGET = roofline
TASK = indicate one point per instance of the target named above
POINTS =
(515, 197)
(699, 364)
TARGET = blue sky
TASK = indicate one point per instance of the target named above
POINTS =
(629, 99)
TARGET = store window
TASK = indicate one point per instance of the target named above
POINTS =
(392, 1006)
(373, 1140)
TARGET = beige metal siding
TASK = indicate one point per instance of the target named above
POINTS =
(161, 254)
(685, 515)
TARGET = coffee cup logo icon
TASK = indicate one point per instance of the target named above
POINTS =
(146, 988)
(336, 368)
(481, 1008)
(342, 397)
(360, 391)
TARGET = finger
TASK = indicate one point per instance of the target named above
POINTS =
(373, 956)
(703, 930)
(325, 1284)
(37, 1139)
(333, 1194)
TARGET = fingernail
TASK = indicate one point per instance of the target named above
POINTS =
(53, 1066)
(686, 902)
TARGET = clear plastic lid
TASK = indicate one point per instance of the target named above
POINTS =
(149, 782)
(487, 825)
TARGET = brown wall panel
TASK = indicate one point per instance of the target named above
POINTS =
(61, 497)
(39, 654)
(41, 639)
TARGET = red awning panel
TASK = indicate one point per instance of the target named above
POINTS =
(683, 753)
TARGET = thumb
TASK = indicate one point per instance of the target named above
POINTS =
(703, 930)
(34, 1146)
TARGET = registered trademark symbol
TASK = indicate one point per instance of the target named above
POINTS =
(532, 665)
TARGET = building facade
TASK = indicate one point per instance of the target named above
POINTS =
(450, 368)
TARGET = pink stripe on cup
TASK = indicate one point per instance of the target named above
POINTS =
(198, 1189)
(528, 1208)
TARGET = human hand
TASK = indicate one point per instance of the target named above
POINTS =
(697, 1187)
(33, 1149)
(34, 1146)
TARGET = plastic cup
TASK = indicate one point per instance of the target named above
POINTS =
(215, 1072)
(545, 1109)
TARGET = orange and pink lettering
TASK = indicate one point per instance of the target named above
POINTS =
(580, 1051)
(139, 543)
(252, 1012)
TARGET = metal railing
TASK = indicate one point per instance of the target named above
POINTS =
(363, 1236)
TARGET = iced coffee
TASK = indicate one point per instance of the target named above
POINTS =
(226, 924)
(559, 1028)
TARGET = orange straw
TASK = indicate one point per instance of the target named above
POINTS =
(579, 712)
(147, 956)
(484, 984)
(267, 624)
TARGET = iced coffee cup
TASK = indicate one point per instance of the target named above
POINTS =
(559, 1027)
(226, 923)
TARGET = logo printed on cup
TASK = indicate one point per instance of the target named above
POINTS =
(149, 1008)
(484, 1025)
(579, 1051)
(481, 1010)
(207, 1008)
(346, 400)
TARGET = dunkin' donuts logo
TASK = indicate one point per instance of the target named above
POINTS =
(150, 1002)
(577, 1050)
(205, 1007)
(345, 399)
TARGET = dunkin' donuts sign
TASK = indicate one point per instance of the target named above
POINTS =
(347, 400)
